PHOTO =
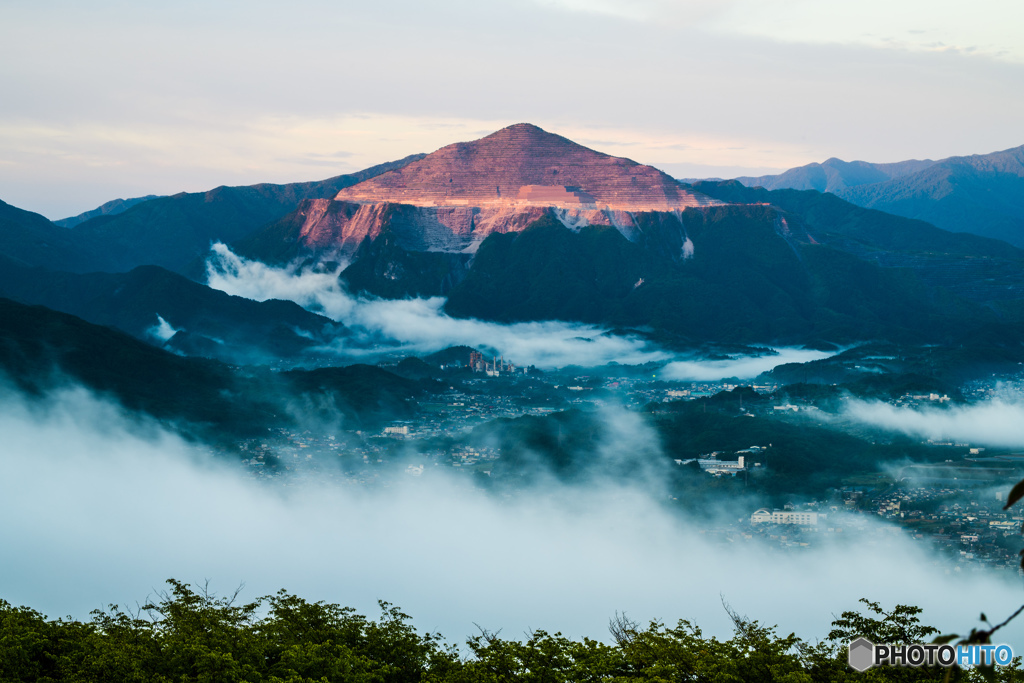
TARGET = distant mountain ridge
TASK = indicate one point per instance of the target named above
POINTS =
(30, 239)
(981, 269)
(981, 194)
(834, 175)
(111, 208)
(171, 232)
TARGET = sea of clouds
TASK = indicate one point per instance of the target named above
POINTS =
(102, 508)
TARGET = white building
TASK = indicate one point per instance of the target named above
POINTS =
(713, 465)
(798, 517)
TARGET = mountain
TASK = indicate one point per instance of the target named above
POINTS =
(172, 232)
(626, 246)
(111, 208)
(525, 164)
(749, 275)
(451, 200)
(42, 349)
(163, 308)
(31, 239)
(525, 225)
(981, 194)
(981, 269)
(835, 175)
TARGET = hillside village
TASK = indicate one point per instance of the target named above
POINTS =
(953, 506)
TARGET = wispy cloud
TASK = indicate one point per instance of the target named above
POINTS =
(740, 367)
(997, 422)
(673, 12)
(420, 325)
(986, 28)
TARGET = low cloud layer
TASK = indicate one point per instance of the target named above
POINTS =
(997, 422)
(419, 325)
(740, 367)
(100, 509)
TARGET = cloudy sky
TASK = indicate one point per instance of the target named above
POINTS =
(120, 99)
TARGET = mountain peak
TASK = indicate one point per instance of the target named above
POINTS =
(496, 168)
(523, 128)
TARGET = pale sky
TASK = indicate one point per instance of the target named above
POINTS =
(121, 99)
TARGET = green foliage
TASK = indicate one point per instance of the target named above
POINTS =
(189, 634)
(900, 626)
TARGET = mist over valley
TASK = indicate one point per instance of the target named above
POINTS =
(515, 384)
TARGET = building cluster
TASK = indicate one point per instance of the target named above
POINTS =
(913, 399)
(494, 368)
(969, 531)
(958, 522)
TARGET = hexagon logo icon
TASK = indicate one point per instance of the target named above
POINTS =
(862, 654)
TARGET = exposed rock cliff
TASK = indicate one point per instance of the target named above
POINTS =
(322, 228)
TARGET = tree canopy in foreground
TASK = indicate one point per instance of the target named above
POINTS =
(190, 634)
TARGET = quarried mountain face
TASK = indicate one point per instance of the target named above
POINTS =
(555, 172)
(452, 200)
(339, 227)
(336, 229)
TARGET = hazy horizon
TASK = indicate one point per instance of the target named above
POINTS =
(117, 101)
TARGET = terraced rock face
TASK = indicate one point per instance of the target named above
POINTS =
(337, 228)
(494, 170)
